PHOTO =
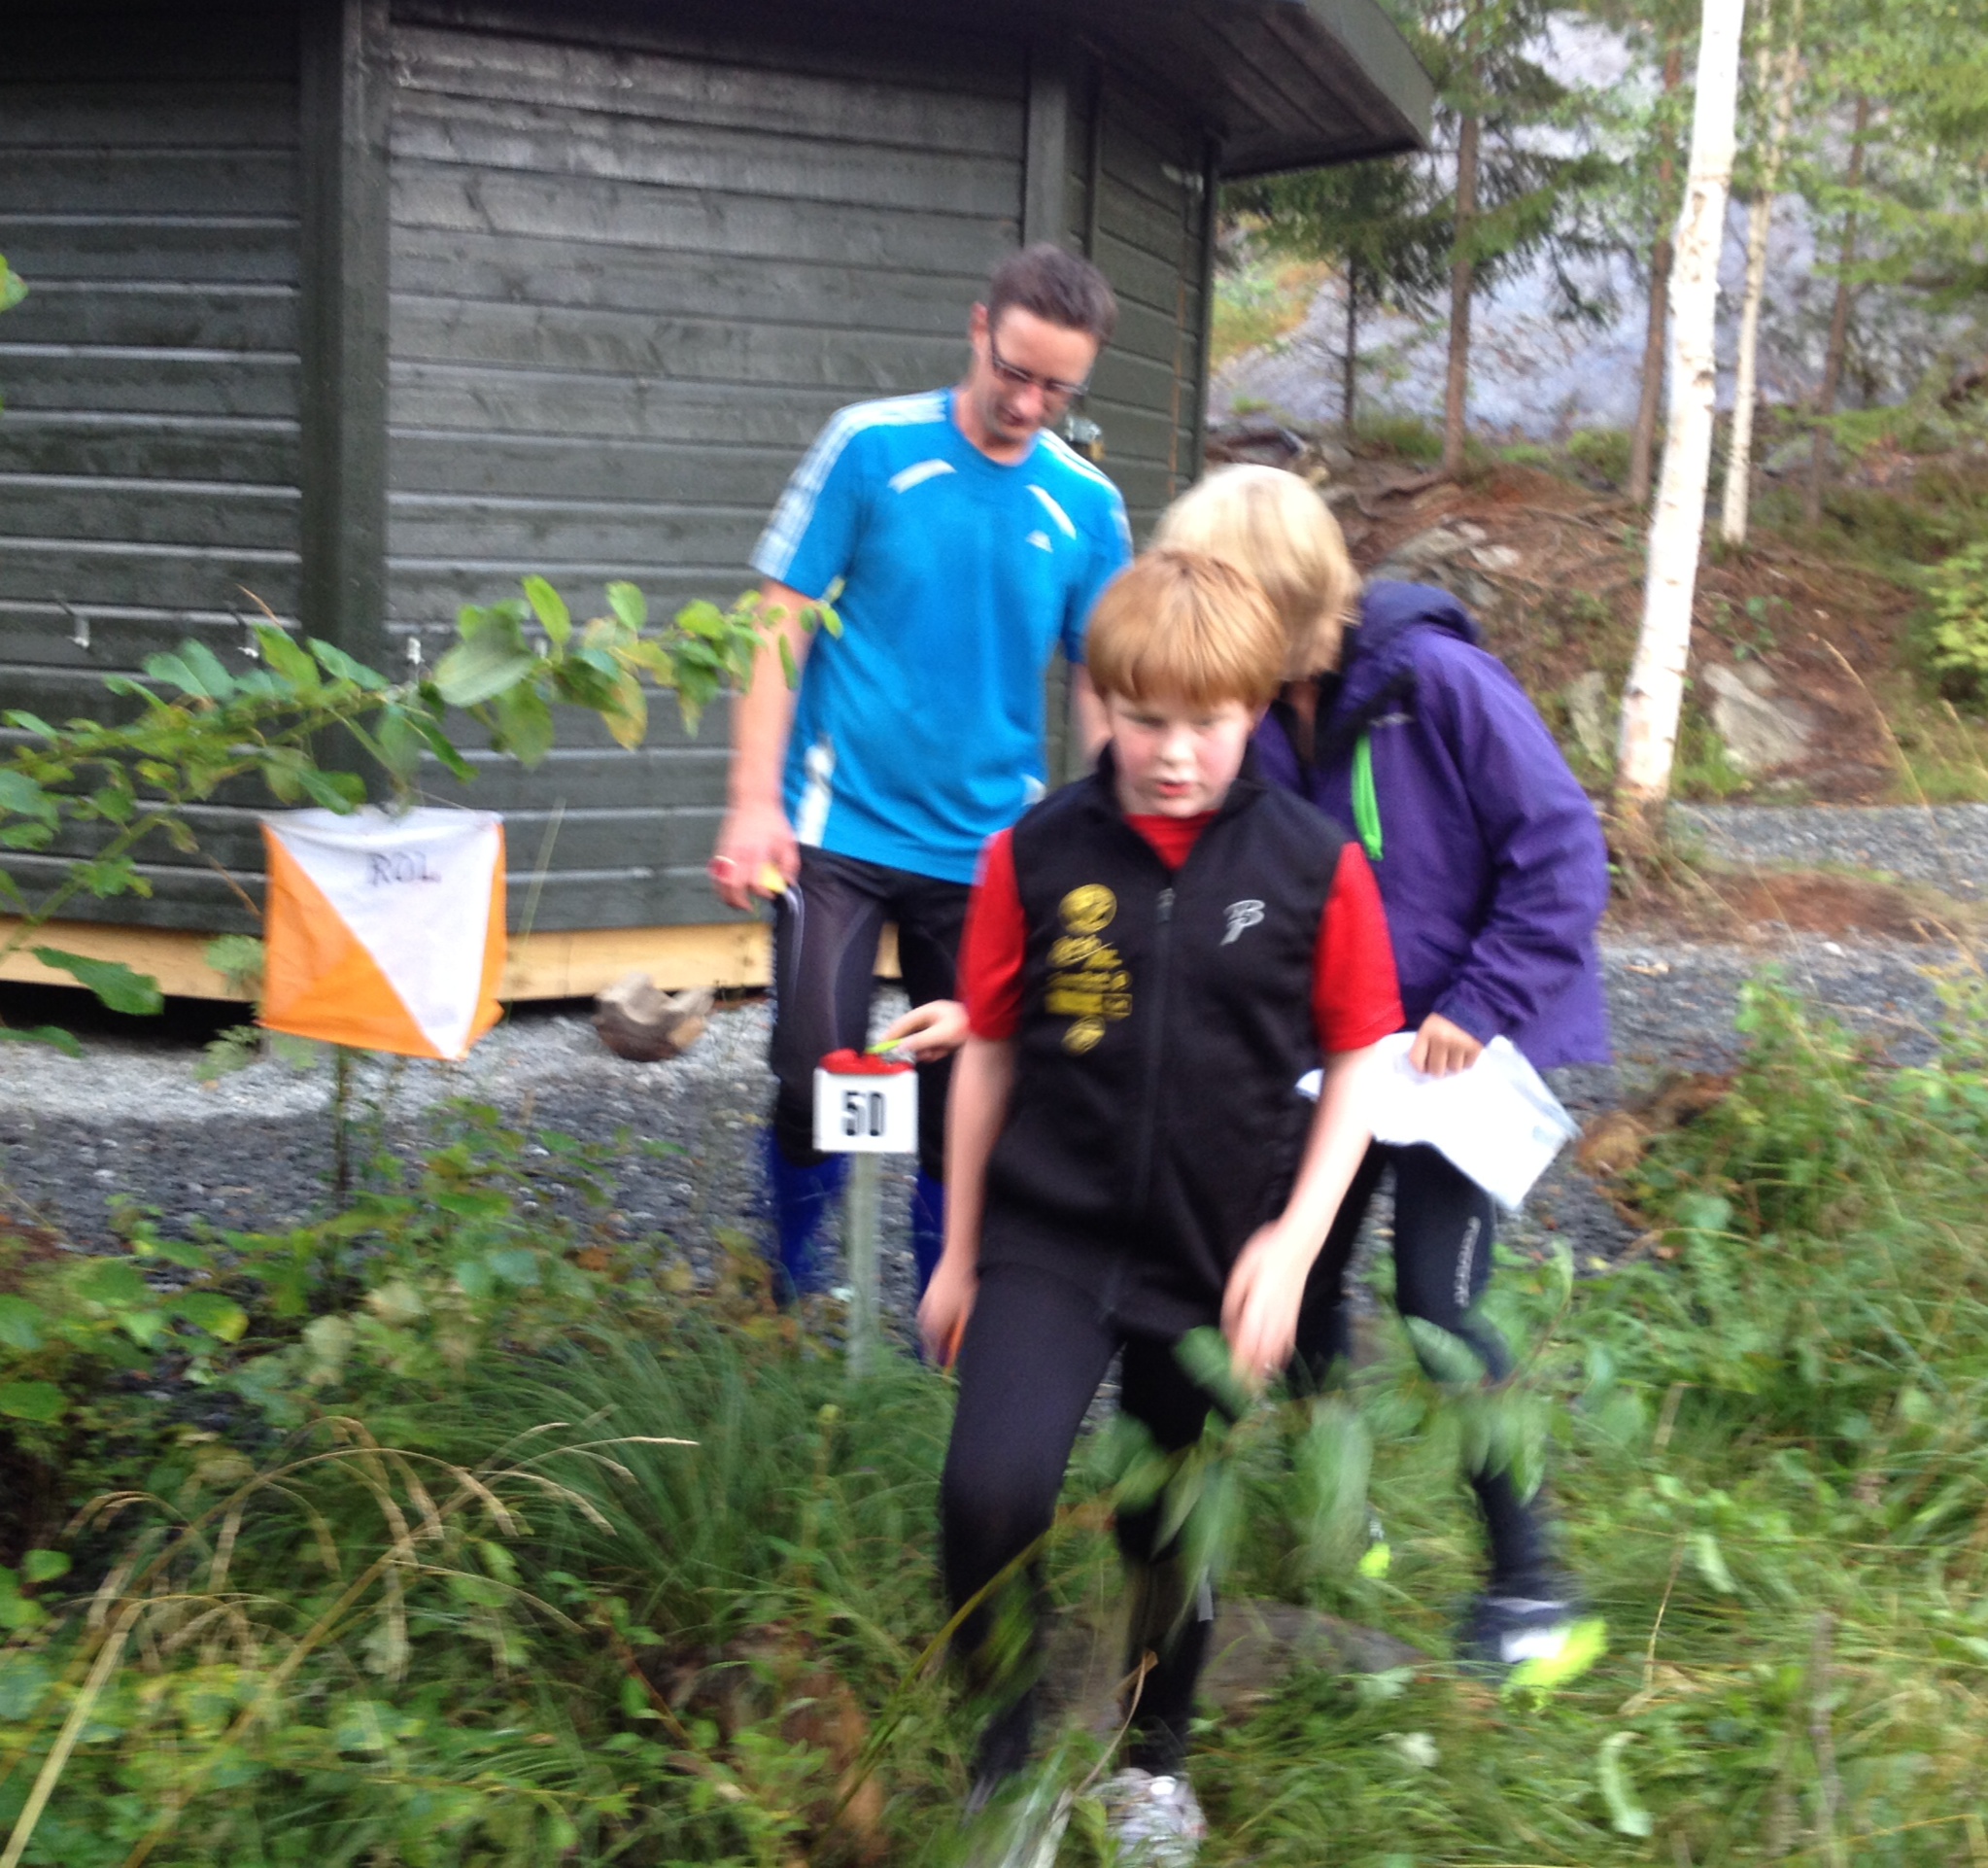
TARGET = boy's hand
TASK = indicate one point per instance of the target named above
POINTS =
(1441, 1048)
(948, 1303)
(929, 1032)
(1259, 1309)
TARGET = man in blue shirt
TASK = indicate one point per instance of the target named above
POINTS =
(962, 543)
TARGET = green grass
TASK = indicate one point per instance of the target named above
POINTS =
(472, 1615)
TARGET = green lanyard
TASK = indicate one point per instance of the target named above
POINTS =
(1366, 805)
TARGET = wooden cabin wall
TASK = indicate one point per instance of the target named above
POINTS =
(149, 445)
(628, 259)
(1138, 188)
(634, 267)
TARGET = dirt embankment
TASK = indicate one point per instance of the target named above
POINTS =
(1554, 568)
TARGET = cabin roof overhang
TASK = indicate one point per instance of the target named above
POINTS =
(1277, 84)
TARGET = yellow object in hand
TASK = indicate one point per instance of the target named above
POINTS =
(769, 881)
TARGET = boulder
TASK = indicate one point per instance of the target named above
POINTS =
(1256, 1647)
(1425, 550)
(1761, 730)
(1588, 712)
(1272, 444)
(644, 1025)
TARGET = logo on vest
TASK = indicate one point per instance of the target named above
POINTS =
(1088, 983)
(1241, 914)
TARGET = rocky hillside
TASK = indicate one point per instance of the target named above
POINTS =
(1801, 680)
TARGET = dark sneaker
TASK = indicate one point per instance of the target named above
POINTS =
(1155, 1820)
(1505, 1632)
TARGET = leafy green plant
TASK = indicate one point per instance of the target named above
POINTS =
(1603, 452)
(200, 727)
(1956, 638)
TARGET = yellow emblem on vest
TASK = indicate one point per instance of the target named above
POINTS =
(1089, 984)
(1089, 909)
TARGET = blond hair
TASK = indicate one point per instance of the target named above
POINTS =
(1179, 626)
(1274, 526)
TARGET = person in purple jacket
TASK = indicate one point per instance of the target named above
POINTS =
(1494, 875)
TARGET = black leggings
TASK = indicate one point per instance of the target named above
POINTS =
(1035, 1351)
(825, 937)
(1444, 1225)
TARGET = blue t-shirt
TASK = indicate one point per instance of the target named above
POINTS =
(919, 733)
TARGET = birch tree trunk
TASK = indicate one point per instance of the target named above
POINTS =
(1643, 436)
(1456, 387)
(1759, 224)
(1655, 695)
(1839, 325)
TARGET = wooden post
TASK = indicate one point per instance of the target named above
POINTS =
(861, 1221)
(346, 98)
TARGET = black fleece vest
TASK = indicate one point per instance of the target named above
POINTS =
(1155, 1121)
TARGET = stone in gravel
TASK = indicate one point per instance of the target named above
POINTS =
(1761, 730)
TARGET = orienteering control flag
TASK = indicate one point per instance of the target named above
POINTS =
(385, 933)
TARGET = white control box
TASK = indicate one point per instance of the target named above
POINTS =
(865, 1106)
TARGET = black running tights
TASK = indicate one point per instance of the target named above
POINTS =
(1035, 1351)
(1444, 1225)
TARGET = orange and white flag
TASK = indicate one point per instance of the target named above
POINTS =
(385, 933)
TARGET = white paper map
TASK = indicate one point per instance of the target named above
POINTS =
(1497, 1121)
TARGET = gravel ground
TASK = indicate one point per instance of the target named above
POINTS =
(1945, 845)
(253, 1150)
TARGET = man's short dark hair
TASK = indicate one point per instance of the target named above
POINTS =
(1060, 286)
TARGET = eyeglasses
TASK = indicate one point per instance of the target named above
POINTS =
(1055, 393)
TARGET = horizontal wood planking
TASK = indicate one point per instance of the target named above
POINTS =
(179, 577)
(45, 636)
(518, 402)
(587, 275)
(150, 381)
(613, 896)
(760, 37)
(212, 248)
(546, 140)
(705, 220)
(179, 316)
(190, 115)
(149, 456)
(540, 966)
(124, 181)
(730, 350)
(101, 43)
(628, 288)
(434, 463)
(122, 445)
(109, 509)
(424, 528)
(649, 835)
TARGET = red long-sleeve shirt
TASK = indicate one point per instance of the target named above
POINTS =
(1356, 1000)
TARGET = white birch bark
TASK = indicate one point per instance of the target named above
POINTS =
(1759, 217)
(1655, 695)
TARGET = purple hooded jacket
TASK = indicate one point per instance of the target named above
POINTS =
(1492, 870)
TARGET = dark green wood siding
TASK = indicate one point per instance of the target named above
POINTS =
(606, 267)
(1137, 192)
(636, 264)
(149, 449)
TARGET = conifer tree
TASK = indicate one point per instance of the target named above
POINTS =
(1384, 224)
